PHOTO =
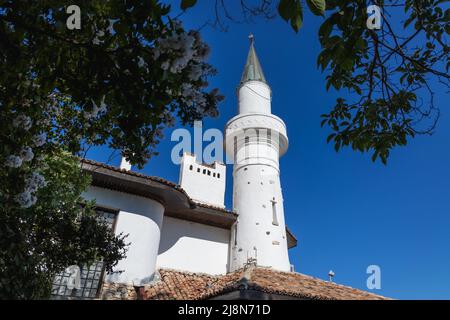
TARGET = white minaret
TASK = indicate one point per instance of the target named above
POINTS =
(256, 138)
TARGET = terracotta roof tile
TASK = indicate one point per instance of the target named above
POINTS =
(179, 285)
(131, 173)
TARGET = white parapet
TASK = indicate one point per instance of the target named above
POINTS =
(203, 182)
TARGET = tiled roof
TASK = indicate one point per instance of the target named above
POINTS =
(179, 285)
(131, 173)
(155, 179)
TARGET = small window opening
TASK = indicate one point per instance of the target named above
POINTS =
(274, 214)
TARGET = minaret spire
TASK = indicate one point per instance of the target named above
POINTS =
(252, 69)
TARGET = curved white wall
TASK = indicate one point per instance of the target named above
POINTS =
(193, 247)
(256, 139)
(260, 230)
(141, 218)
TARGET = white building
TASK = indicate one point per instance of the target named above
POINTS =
(183, 234)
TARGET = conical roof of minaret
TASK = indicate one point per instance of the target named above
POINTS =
(252, 69)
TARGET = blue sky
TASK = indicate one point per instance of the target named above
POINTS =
(347, 212)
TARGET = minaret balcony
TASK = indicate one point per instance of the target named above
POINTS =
(243, 126)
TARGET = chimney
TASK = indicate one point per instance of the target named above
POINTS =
(124, 164)
(330, 275)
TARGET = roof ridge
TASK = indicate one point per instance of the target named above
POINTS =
(156, 179)
(186, 272)
(174, 285)
(332, 284)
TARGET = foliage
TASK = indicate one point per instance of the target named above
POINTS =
(128, 72)
(391, 74)
(59, 230)
(387, 71)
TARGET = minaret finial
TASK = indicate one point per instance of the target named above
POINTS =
(252, 38)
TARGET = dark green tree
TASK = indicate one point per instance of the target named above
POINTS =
(117, 74)
(59, 230)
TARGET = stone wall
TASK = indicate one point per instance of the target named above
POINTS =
(116, 291)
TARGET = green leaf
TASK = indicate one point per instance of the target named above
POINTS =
(185, 4)
(330, 137)
(374, 156)
(337, 145)
(326, 28)
(297, 17)
(317, 7)
(286, 9)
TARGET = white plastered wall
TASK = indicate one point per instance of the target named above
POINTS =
(193, 247)
(203, 183)
(141, 218)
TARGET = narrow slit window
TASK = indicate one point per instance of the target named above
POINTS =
(191, 167)
(274, 213)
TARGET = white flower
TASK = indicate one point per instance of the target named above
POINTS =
(141, 62)
(40, 139)
(34, 182)
(13, 161)
(181, 46)
(23, 122)
(27, 154)
(165, 65)
(98, 35)
(25, 199)
(186, 90)
(195, 72)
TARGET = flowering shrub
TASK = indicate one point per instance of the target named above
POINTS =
(126, 74)
(48, 226)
